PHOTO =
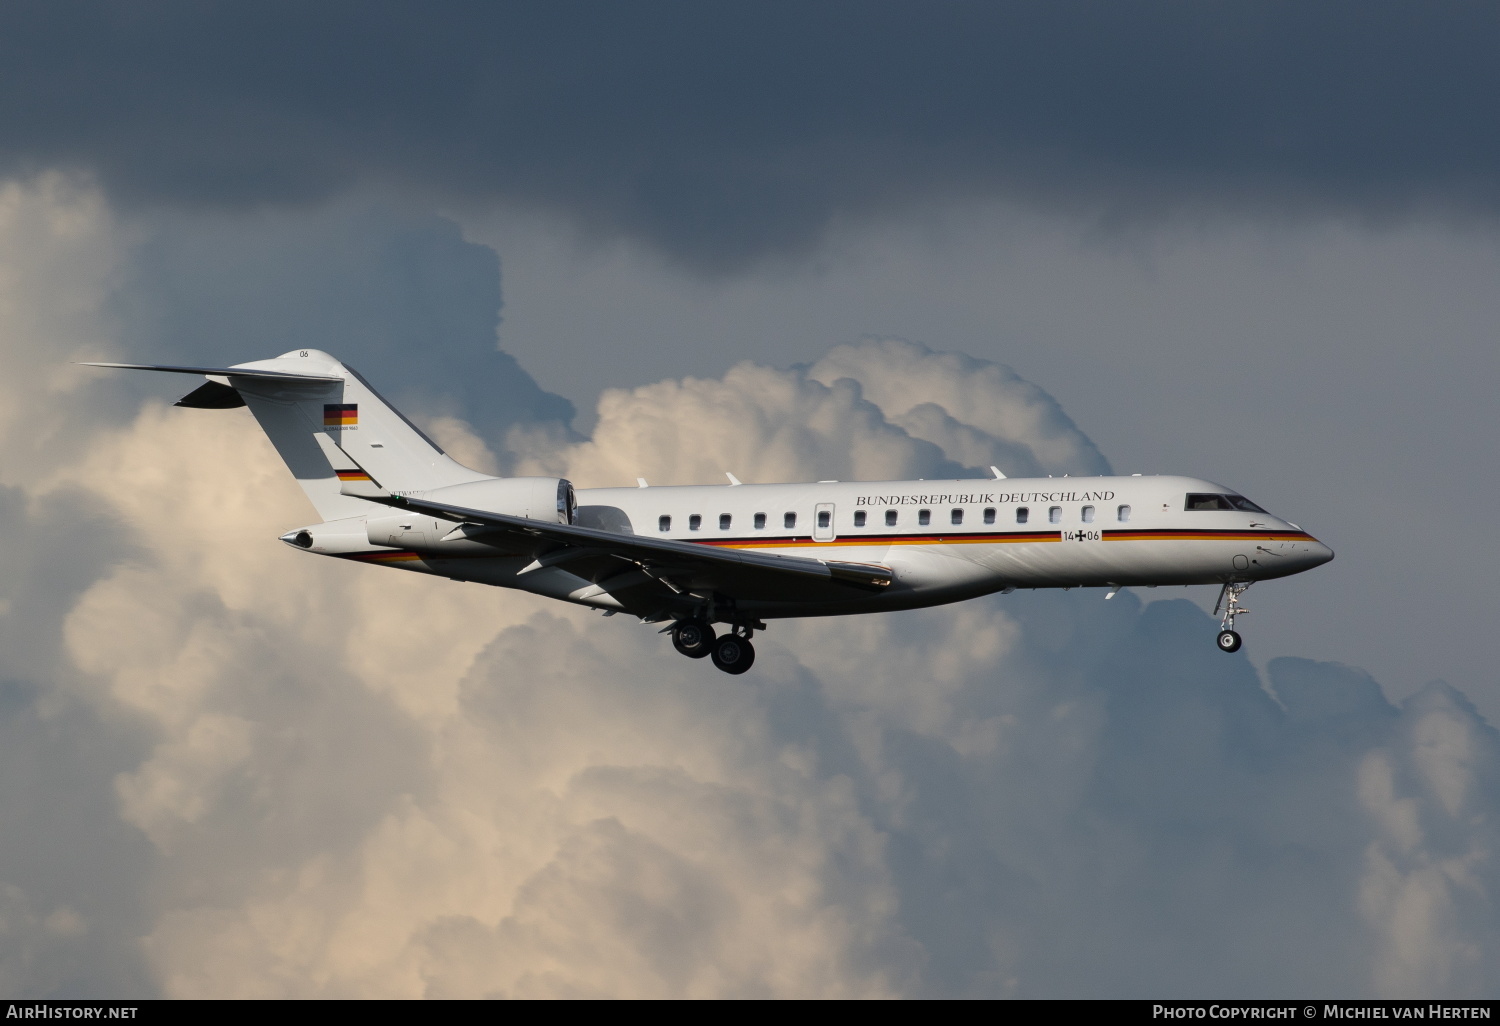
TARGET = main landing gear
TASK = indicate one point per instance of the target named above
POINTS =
(732, 653)
(1229, 600)
(693, 638)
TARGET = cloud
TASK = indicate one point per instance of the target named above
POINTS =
(724, 135)
(229, 768)
(974, 410)
(1430, 882)
(878, 410)
(60, 247)
(400, 294)
(758, 423)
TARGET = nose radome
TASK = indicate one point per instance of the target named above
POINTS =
(1318, 553)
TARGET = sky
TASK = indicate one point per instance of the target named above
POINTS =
(1253, 244)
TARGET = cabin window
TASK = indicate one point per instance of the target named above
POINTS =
(1054, 515)
(924, 517)
(956, 517)
(859, 518)
(663, 523)
(789, 521)
(694, 522)
(1088, 514)
(1023, 514)
(1122, 514)
(724, 521)
(760, 521)
(890, 518)
(825, 518)
(989, 515)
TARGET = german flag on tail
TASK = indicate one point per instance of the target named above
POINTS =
(340, 414)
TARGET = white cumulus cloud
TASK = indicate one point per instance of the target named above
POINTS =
(229, 768)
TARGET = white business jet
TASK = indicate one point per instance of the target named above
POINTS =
(738, 554)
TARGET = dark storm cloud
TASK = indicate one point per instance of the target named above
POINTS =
(402, 297)
(722, 132)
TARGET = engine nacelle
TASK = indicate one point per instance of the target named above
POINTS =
(536, 498)
(406, 530)
(548, 499)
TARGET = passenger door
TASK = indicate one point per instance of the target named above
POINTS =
(823, 529)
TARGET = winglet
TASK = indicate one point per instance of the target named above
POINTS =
(733, 481)
(353, 479)
(996, 471)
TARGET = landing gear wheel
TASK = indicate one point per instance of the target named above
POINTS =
(693, 638)
(1229, 601)
(733, 654)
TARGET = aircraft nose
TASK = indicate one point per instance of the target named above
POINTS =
(1318, 553)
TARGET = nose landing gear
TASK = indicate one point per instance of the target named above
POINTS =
(1229, 600)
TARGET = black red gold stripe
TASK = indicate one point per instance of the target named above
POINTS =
(1005, 538)
(1188, 534)
(387, 556)
(987, 538)
(340, 414)
(352, 475)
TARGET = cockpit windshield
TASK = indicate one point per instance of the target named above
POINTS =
(1205, 500)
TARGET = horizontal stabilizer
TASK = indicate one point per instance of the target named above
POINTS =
(228, 372)
(353, 479)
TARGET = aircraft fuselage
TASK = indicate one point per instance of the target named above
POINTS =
(944, 540)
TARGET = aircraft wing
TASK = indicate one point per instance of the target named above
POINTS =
(679, 566)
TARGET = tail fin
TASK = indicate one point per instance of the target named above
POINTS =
(310, 406)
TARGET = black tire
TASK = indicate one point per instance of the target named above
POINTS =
(693, 638)
(733, 654)
(1229, 641)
